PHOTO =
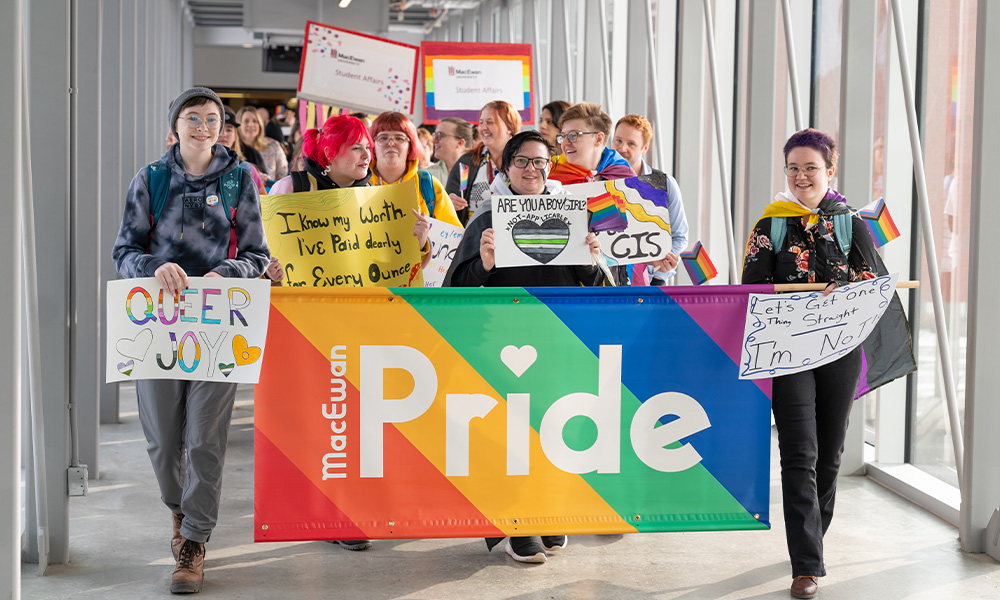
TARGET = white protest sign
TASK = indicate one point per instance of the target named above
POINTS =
(444, 238)
(461, 83)
(357, 71)
(212, 331)
(647, 237)
(540, 230)
(790, 333)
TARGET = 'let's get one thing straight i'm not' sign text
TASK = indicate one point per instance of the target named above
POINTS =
(790, 333)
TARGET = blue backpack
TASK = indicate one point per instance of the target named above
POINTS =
(229, 192)
(843, 229)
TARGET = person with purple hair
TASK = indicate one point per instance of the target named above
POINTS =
(811, 408)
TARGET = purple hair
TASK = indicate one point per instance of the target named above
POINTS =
(818, 141)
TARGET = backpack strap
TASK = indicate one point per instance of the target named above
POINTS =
(159, 184)
(779, 228)
(843, 229)
(230, 186)
(301, 181)
(427, 190)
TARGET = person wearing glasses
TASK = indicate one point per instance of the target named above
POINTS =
(397, 153)
(470, 178)
(190, 238)
(811, 408)
(524, 170)
(585, 129)
(452, 139)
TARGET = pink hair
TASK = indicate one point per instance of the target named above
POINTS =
(338, 133)
(394, 121)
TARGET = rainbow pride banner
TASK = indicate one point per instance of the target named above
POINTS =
(414, 413)
(698, 265)
(461, 77)
(880, 224)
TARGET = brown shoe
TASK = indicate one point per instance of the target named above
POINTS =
(189, 573)
(176, 540)
(804, 586)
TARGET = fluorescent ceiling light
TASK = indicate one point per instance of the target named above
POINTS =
(344, 3)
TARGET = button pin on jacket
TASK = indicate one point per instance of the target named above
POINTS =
(212, 200)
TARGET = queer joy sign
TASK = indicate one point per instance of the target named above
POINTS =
(214, 330)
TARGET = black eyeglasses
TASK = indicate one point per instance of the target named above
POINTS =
(521, 162)
(573, 136)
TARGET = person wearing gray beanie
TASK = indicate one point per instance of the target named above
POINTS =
(178, 104)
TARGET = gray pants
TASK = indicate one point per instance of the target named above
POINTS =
(193, 415)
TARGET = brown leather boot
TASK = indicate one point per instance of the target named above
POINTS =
(176, 540)
(804, 586)
(189, 573)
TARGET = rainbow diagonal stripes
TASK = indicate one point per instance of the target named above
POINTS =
(880, 224)
(306, 399)
(698, 265)
(463, 179)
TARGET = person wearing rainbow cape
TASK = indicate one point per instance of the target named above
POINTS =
(809, 235)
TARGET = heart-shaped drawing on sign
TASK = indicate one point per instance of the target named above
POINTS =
(518, 359)
(226, 369)
(125, 368)
(244, 354)
(541, 242)
(137, 347)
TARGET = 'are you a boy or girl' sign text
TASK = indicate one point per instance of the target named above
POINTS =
(213, 330)
(540, 230)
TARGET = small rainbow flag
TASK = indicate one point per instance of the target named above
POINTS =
(880, 224)
(463, 180)
(699, 266)
(607, 213)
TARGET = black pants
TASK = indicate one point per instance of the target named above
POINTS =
(811, 410)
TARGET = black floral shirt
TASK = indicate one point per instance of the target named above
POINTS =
(810, 254)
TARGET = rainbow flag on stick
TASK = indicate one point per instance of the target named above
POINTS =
(880, 224)
(607, 213)
(699, 266)
(463, 180)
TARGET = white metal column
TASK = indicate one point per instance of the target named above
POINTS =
(11, 55)
(85, 211)
(594, 55)
(561, 75)
(48, 85)
(763, 150)
(982, 411)
(857, 132)
(112, 175)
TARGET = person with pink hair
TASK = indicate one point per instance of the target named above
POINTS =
(397, 155)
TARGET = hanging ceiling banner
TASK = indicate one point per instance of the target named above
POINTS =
(356, 71)
(460, 77)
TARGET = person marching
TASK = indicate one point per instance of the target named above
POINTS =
(191, 237)
(810, 236)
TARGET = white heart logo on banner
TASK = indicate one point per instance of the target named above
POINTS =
(518, 359)
(135, 348)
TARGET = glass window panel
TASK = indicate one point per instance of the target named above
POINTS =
(947, 127)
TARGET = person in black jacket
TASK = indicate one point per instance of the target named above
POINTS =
(811, 408)
(475, 264)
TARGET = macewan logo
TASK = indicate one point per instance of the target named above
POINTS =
(346, 58)
(463, 73)
(657, 445)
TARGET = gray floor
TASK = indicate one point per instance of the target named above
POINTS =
(880, 546)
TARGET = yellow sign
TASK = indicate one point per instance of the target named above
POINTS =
(348, 237)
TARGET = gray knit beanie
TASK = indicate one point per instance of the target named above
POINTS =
(195, 92)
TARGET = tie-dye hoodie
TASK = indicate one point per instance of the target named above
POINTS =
(192, 232)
